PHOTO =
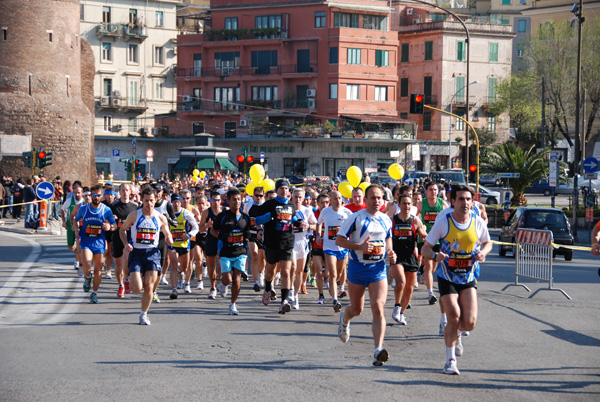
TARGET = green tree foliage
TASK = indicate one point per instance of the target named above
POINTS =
(530, 164)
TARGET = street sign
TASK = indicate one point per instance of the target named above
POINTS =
(149, 153)
(116, 152)
(133, 143)
(555, 156)
(148, 159)
(262, 157)
(590, 176)
(508, 175)
(44, 190)
(590, 165)
(133, 151)
(553, 179)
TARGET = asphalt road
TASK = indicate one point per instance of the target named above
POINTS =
(58, 347)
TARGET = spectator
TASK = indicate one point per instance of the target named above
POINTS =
(30, 211)
(17, 194)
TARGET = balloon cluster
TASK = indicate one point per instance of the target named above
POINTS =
(196, 173)
(257, 174)
(354, 176)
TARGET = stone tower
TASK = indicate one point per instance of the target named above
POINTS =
(46, 88)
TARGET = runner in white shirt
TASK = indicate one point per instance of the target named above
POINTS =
(308, 221)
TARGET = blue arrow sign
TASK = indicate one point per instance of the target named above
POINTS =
(133, 143)
(590, 165)
(44, 190)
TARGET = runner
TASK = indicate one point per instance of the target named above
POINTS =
(108, 199)
(317, 251)
(336, 257)
(121, 210)
(368, 236)
(211, 244)
(197, 244)
(144, 254)
(65, 214)
(358, 200)
(96, 218)
(465, 242)
(255, 243)
(231, 227)
(163, 206)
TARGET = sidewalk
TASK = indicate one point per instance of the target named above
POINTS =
(14, 226)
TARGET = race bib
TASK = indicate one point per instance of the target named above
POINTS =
(93, 231)
(376, 254)
(145, 236)
(430, 216)
(177, 234)
(332, 232)
(402, 232)
(236, 239)
(460, 263)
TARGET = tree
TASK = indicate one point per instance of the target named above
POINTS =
(530, 164)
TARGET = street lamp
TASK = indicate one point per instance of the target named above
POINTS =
(578, 11)
(452, 125)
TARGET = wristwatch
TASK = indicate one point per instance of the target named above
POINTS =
(435, 256)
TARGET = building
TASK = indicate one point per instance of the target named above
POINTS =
(134, 43)
(46, 89)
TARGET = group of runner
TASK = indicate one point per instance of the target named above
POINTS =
(292, 236)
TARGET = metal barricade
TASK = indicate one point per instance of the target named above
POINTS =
(533, 259)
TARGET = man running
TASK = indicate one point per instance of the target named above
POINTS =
(317, 251)
(179, 252)
(144, 254)
(368, 236)
(307, 222)
(465, 242)
(211, 243)
(109, 198)
(65, 213)
(121, 210)
(255, 243)
(96, 218)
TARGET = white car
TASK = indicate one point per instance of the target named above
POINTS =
(488, 197)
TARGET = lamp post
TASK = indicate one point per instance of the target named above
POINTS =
(578, 11)
(451, 125)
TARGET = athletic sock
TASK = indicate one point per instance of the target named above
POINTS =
(397, 305)
(268, 285)
(126, 281)
(443, 319)
(450, 353)
(284, 294)
(430, 292)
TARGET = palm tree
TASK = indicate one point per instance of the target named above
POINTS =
(530, 164)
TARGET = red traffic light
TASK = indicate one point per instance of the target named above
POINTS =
(137, 161)
(41, 154)
(240, 158)
(250, 158)
(419, 98)
(473, 168)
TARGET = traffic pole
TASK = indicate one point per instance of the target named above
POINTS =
(43, 215)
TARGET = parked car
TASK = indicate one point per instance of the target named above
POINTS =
(488, 197)
(543, 187)
(538, 218)
(457, 176)
(411, 175)
(295, 179)
(383, 178)
(489, 180)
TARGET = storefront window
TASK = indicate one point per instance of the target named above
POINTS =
(338, 167)
(296, 166)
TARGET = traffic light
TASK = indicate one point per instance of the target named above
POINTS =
(44, 159)
(136, 166)
(250, 158)
(240, 158)
(127, 163)
(246, 160)
(28, 159)
(472, 170)
(417, 103)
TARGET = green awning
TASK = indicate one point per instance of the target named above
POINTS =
(206, 163)
(183, 164)
(226, 164)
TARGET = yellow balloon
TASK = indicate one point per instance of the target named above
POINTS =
(196, 172)
(250, 188)
(257, 173)
(354, 176)
(267, 184)
(346, 189)
(202, 174)
(396, 171)
(364, 186)
(194, 178)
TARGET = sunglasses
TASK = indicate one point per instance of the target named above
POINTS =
(259, 195)
(96, 195)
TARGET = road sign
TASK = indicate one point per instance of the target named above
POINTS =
(555, 156)
(133, 143)
(133, 150)
(590, 165)
(149, 159)
(116, 152)
(149, 153)
(44, 190)
(553, 179)
(590, 176)
(508, 175)
(262, 157)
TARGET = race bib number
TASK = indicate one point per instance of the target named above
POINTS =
(332, 232)
(236, 239)
(93, 231)
(402, 232)
(145, 236)
(430, 216)
(460, 264)
(376, 254)
(177, 234)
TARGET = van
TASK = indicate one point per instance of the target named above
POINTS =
(457, 176)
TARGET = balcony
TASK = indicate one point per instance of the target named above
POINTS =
(286, 69)
(309, 103)
(134, 32)
(216, 35)
(488, 101)
(110, 102)
(134, 105)
(108, 30)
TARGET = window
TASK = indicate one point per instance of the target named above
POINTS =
(106, 15)
(404, 115)
(132, 54)
(382, 58)
(159, 58)
(107, 123)
(381, 94)
(107, 87)
(231, 23)
(133, 16)
(159, 19)
(263, 61)
(227, 59)
(377, 22)
(460, 89)
(523, 2)
(461, 51)
(404, 54)
(352, 92)
(82, 12)
(492, 82)
(268, 93)
(427, 121)
(267, 21)
(522, 26)
(403, 87)
(230, 129)
(106, 52)
(197, 127)
(493, 52)
(134, 93)
(345, 20)
(197, 64)
(520, 49)
(50, 36)
(429, 50)
(320, 20)
(227, 98)
(333, 91)
(491, 126)
(353, 56)
(133, 127)
(333, 55)
(506, 2)
(197, 100)
(5, 33)
(158, 89)
(427, 88)
(460, 125)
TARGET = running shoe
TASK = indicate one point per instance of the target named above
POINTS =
(313, 282)
(163, 280)
(121, 292)
(303, 289)
(200, 285)
(380, 356)
(87, 284)
(451, 368)
(76, 265)
(266, 299)
(277, 279)
(342, 294)
(343, 330)
(285, 307)
(261, 279)
(79, 270)
(409, 306)
(402, 320)
(244, 276)
(442, 328)
(174, 294)
(144, 320)
(326, 284)
(127, 287)
(222, 289)
(337, 306)
(273, 295)
(459, 349)
(93, 298)
(256, 286)
(155, 298)
(466, 333)
(233, 309)
(107, 275)
(180, 284)
(212, 294)
(296, 304)
(432, 300)
(396, 314)
(204, 269)
(321, 300)
(187, 288)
